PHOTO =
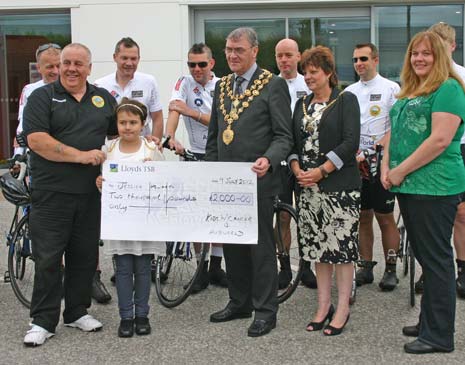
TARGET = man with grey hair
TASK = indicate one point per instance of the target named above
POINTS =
(48, 65)
(66, 123)
(251, 122)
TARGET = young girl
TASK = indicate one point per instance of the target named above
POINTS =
(132, 258)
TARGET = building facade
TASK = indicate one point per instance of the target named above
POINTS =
(165, 29)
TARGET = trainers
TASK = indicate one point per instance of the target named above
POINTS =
(99, 292)
(460, 284)
(218, 277)
(37, 336)
(284, 278)
(86, 323)
(308, 277)
(389, 280)
(364, 274)
(201, 281)
(419, 285)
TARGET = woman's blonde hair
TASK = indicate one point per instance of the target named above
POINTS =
(442, 67)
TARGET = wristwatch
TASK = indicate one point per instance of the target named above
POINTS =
(323, 171)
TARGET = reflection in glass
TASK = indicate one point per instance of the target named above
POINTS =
(20, 35)
(396, 25)
(339, 34)
(269, 31)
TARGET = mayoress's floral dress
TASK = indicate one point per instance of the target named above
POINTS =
(328, 221)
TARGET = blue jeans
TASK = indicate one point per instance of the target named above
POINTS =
(133, 285)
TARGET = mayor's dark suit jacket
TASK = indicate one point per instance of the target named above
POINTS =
(263, 129)
(339, 131)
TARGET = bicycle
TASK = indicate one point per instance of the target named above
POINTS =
(407, 258)
(20, 258)
(294, 252)
(177, 270)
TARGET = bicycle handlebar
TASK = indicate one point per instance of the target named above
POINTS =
(186, 155)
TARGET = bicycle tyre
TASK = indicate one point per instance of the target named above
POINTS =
(411, 259)
(295, 251)
(176, 272)
(404, 246)
(21, 263)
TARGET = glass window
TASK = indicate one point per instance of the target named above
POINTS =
(396, 25)
(339, 34)
(20, 35)
(269, 32)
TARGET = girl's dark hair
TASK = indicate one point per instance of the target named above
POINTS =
(134, 107)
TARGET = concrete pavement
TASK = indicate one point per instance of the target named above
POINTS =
(184, 335)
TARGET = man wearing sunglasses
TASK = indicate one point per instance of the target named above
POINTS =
(192, 98)
(127, 82)
(48, 65)
(376, 96)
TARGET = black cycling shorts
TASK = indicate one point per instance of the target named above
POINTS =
(374, 196)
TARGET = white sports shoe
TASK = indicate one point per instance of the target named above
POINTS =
(86, 323)
(36, 336)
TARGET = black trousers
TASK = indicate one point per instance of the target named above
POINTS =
(429, 221)
(69, 225)
(252, 269)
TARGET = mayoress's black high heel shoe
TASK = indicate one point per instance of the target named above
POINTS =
(318, 326)
(335, 331)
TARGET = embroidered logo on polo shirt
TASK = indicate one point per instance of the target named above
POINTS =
(197, 91)
(98, 101)
(198, 102)
(137, 93)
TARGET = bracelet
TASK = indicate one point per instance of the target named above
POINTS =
(200, 116)
(324, 173)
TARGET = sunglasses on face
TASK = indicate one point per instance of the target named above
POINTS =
(46, 46)
(202, 64)
(362, 59)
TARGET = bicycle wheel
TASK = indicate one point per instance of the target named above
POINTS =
(284, 254)
(21, 262)
(411, 259)
(403, 245)
(177, 271)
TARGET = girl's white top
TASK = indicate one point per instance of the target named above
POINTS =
(147, 151)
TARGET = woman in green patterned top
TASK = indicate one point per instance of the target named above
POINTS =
(423, 165)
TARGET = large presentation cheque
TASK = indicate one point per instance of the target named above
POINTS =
(179, 201)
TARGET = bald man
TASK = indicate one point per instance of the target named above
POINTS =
(287, 58)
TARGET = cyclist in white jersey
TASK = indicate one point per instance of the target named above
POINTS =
(48, 65)
(127, 82)
(192, 98)
(376, 96)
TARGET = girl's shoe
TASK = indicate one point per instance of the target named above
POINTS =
(126, 328)
(143, 326)
(318, 326)
(336, 331)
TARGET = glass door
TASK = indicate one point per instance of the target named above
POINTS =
(20, 35)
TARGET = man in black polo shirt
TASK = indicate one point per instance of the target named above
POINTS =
(66, 123)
